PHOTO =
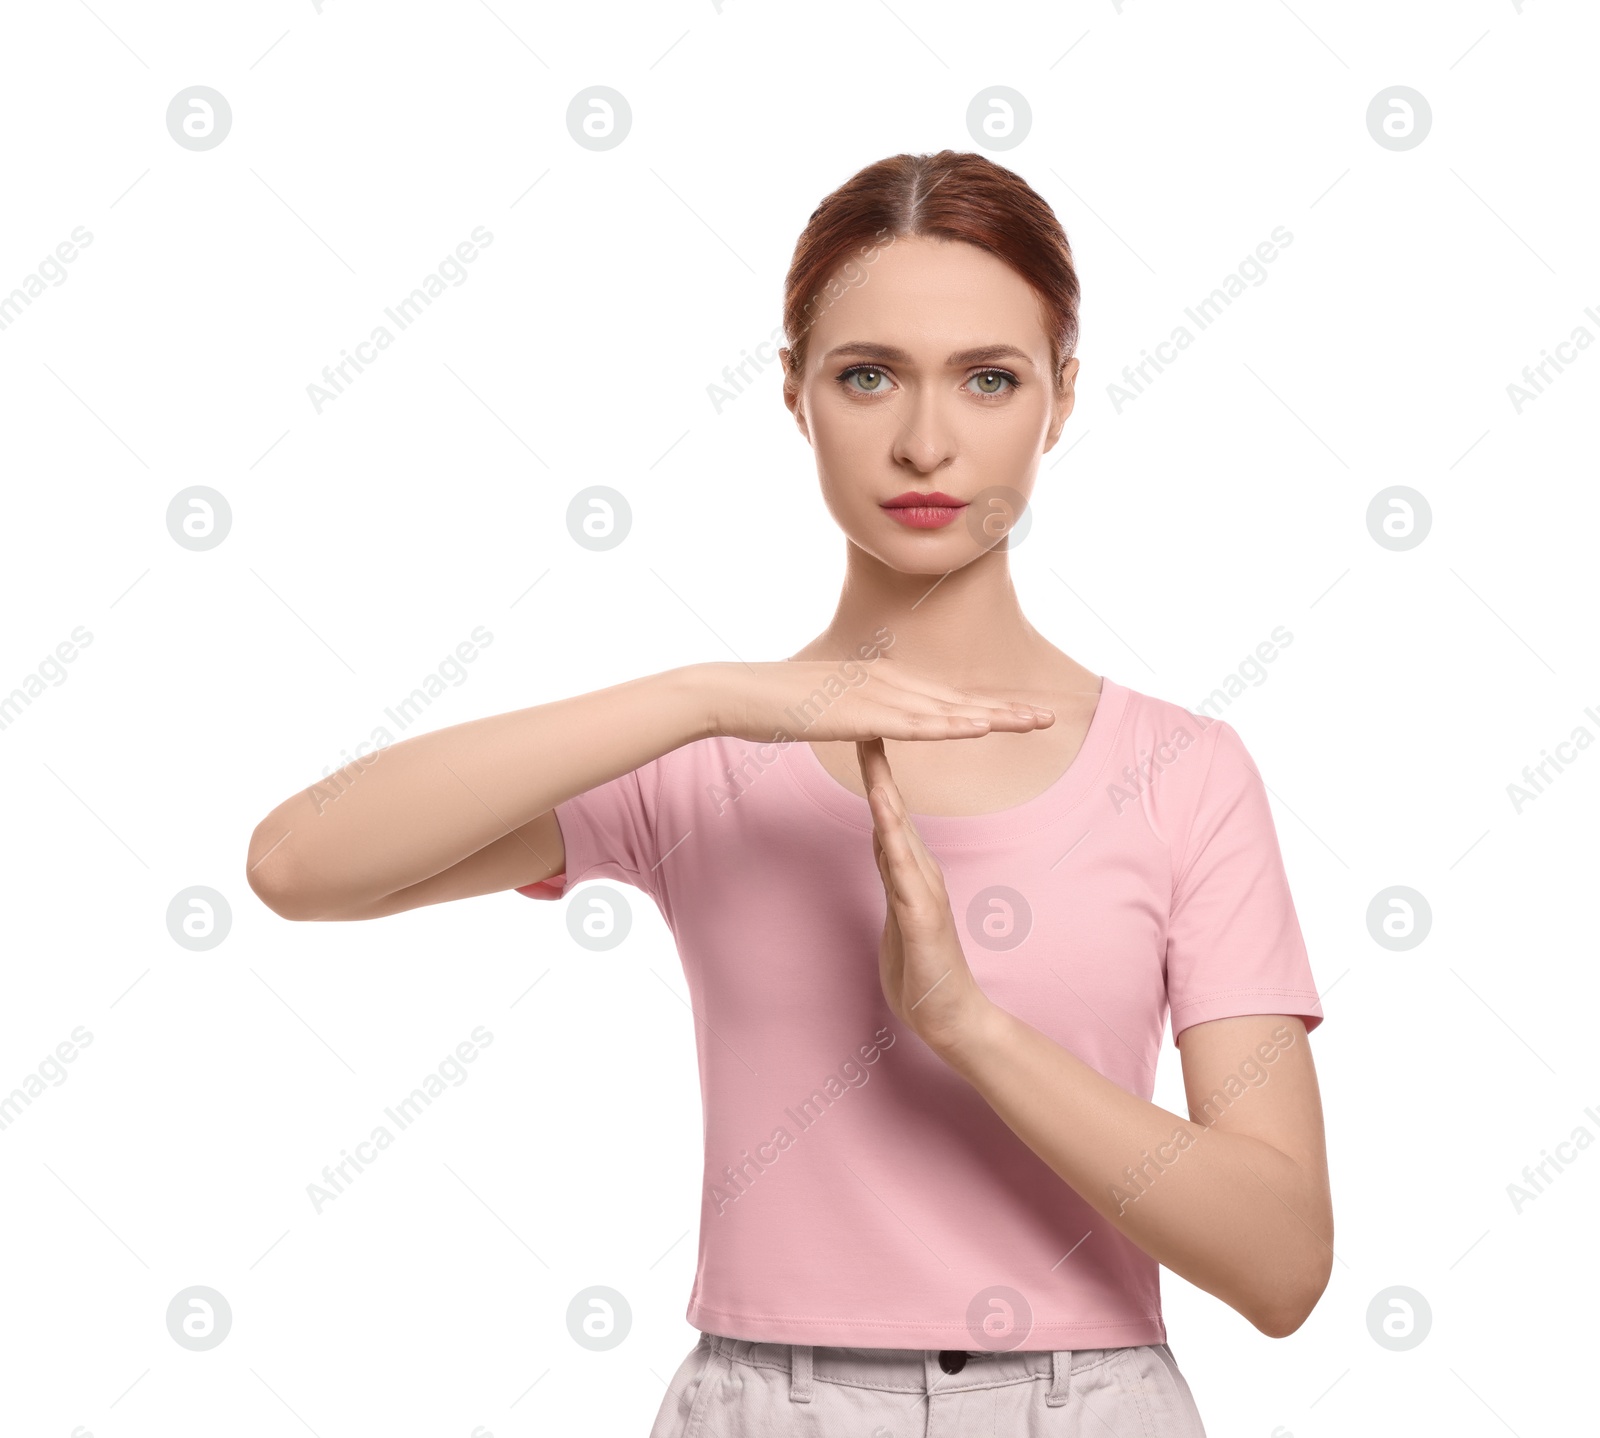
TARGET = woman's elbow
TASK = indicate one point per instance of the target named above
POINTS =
(1282, 1321)
(1284, 1310)
(270, 872)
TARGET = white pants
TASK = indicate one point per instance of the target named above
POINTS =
(735, 1388)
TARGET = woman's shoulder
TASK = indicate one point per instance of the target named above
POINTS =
(1197, 756)
(1163, 752)
(1152, 714)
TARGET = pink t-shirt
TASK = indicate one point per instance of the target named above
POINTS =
(858, 1191)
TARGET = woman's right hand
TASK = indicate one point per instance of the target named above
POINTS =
(820, 699)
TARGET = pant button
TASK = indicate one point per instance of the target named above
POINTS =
(952, 1360)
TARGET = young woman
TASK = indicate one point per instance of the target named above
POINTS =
(929, 978)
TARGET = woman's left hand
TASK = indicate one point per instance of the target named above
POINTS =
(920, 960)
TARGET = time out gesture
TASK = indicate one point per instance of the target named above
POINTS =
(921, 963)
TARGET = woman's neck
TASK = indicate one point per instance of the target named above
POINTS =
(965, 628)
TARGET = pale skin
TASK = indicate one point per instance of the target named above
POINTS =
(1245, 1212)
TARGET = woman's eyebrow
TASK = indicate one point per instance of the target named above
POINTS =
(985, 353)
(890, 354)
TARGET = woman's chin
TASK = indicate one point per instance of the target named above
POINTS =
(928, 555)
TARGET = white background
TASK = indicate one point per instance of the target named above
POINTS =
(368, 540)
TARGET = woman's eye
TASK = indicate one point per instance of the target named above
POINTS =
(872, 381)
(992, 381)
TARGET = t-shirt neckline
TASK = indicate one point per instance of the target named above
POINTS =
(1065, 791)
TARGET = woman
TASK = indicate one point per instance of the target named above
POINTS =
(936, 1179)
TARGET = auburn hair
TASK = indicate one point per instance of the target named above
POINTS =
(953, 195)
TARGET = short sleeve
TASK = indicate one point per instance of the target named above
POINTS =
(1234, 944)
(608, 832)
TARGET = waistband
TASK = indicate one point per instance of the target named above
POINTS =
(910, 1370)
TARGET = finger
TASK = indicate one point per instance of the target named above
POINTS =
(932, 874)
(874, 762)
(890, 866)
(912, 720)
(909, 883)
(914, 715)
(911, 683)
(875, 770)
(929, 696)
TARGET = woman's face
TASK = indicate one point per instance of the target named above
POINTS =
(930, 377)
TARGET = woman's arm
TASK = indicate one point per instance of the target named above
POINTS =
(1235, 1198)
(466, 810)
(389, 833)
(1236, 1202)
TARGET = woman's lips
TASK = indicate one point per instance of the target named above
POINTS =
(924, 511)
(924, 516)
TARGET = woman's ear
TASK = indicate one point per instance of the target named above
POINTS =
(1063, 400)
(791, 390)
